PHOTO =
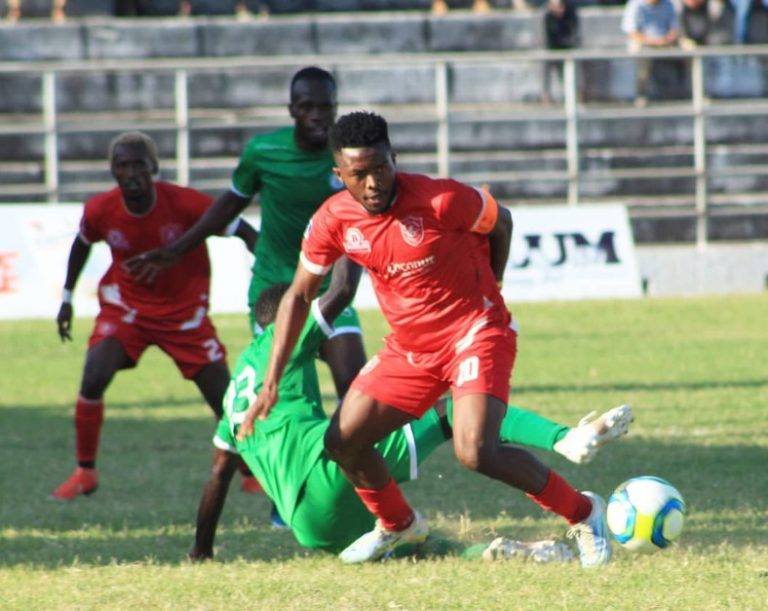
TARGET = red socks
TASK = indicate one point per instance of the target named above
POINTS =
(89, 414)
(388, 505)
(558, 496)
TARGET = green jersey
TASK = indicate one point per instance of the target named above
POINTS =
(284, 447)
(286, 452)
(292, 184)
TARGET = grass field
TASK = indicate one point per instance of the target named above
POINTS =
(695, 371)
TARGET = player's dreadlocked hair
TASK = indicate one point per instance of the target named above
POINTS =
(358, 130)
(136, 138)
(265, 308)
(312, 73)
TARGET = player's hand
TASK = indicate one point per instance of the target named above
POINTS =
(64, 322)
(146, 266)
(260, 408)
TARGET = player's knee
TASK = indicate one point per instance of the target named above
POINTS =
(94, 384)
(476, 457)
(337, 448)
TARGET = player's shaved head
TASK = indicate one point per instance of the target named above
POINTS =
(136, 137)
(359, 130)
(312, 73)
(265, 309)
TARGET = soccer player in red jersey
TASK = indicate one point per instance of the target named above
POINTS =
(435, 251)
(167, 308)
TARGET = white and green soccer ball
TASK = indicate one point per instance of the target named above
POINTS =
(645, 513)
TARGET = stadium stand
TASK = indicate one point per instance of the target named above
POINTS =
(202, 85)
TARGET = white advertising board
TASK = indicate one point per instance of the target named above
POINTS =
(34, 249)
(563, 252)
(571, 252)
(558, 252)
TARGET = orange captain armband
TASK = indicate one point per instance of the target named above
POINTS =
(486, 220)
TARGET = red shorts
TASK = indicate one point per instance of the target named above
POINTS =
(413, 381)
(192, 345)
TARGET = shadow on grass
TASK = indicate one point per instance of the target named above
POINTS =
(173, 402)
(152, 471)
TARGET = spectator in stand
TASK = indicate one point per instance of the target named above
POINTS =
(742, 19)
(649, 24)
(705, 22)
(561, 30)
(14, 12)
(440, 7)
(694, 23)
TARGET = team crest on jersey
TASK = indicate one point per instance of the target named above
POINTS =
(412, 229)
(117, 240)
(354, 241)
(106, 328)
(170, 233)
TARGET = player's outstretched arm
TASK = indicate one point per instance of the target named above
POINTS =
(500, 238)
(222, 212)
(291, 316)
(212, 503)
(78, 256)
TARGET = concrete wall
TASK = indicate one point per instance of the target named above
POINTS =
(716, 269)
(368, 34)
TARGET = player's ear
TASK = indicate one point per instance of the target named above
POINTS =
(337, 174)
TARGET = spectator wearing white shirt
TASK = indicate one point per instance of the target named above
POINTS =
(650, 24)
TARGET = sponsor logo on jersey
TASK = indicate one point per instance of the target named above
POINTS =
(412, 230)
(410, 267)
(117, 240)
(170, 233)
(354, 241)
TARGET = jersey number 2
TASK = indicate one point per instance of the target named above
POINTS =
(214, 350)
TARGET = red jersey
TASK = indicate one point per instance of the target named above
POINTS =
(427, 264)
(180, 292)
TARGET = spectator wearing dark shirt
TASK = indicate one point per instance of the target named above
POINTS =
(561, 31)
(694, 23)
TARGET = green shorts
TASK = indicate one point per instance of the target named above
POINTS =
(346, 322)
(329, 515)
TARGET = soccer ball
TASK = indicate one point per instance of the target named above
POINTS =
(645, 513)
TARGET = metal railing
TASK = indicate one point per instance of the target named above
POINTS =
(443, 113)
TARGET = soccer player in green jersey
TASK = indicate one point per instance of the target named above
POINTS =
(291, 170)
(286, 450)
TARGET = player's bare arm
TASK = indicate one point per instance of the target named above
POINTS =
(500, 238)
(291, 316)
(222, 212)
(212, 503)
(247, 233)
(78, 256)
(344, 280)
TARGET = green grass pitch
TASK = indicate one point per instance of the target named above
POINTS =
(695, 371)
